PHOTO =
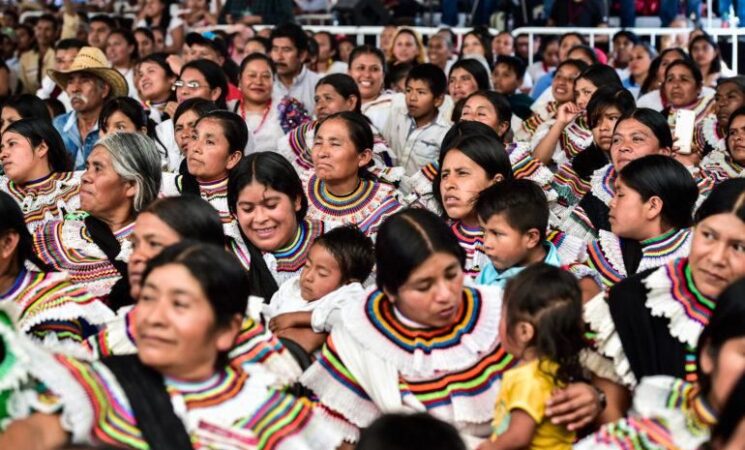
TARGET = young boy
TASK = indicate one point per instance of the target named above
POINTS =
(508, 76)
(304, 307)
(416, 126)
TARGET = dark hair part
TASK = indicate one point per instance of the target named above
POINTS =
(161, 59)
(549, 298)
(433, 76)
(691, 66)
(716, 64)
(731, 415)
(606, 97)
(345, 86)
(38, 131)
(47, 17)
(13, 221)
(727, 197)
(233, 127)
(257, 57)
(213, 74)
(334, 46)
(515, 65)
(109, 21)
(352, 250)
(292, 32)
(368, 50)
(28, 106)
(587, 50)
(628, 34)
(264, 42)
(601, 75)
(202, 223)
(499, 102)
(200, 106)
(419, 431)
(653, 120)
(406, 240)
(475, 68)
(522, 202)
(146, 31)
(396, 73)
(358, 127)
(664, 177)
(67, 44)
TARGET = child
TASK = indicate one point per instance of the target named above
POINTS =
(415, 125)
(304, 307)
(508, 76)
(541, 325)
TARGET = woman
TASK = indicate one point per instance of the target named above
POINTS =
(156, 15)
(185, 119)
(683, 90)
(122, 114)
(50, 308)
(328, 54)
(705, 53)
(121, 51)
(154, 85)
(723, 165)
(363, 370)
(476, 43)
(129, 400)
(649, 324)
(339, 188)
(267, 118)
(145, 41)
(407, 47)
(367, 67)
(466, 77)
(548, 51)
(23, 106)
(642, 56)
(38, 172)
(122, 177)
(650, 213)
(651, 94)
(710, 133)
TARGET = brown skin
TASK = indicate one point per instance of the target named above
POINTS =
(46, 429)
(296, 326)
(618, 397)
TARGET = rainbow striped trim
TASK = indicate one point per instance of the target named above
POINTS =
(576, 137)
(43, 198)
(292, 257)
(339, 206)
(280, 417)
(696, 306)
(299, 144)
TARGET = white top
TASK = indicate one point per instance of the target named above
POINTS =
(303, 88)
(653, 100)
(45, 91)
(175, 23)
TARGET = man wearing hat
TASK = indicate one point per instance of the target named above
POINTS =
(89, 82)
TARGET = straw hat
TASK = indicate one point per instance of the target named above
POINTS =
(93, 61)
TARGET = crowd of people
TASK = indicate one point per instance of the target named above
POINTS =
(284, 240)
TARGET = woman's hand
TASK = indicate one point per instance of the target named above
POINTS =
(170, 109)
(567, 113)
(692, 159)
(575, 406)
(175, 62)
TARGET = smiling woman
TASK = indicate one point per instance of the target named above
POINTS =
(723, 165)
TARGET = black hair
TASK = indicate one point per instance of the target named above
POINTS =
(146, 31)
(271, 170)
(727, 197)
(128, 36)
(257, 57)
(28, 106)
(38, 131)
(54, 106)
(475, 68)
(13, 221)
(691, 66)
(432, 75)
(214, 268)
(161, 59)
(368, 50)
(655, 121)
(352, 250)
(266, 43)
(294, 33)
(649, 82)
(165, 18)
(499, 102)
(545, 42)
(550, 299)
(739, 112)
(419, 431)
(576, 63)
(483, 35)
(737, 80)
(731, 416)
(515, 64)
(587, 50)
(397, 73)
(47, 17)
(200, 106)
(601, 75)
(358, 127)
(202, 223)
(522, 202)
(406, 240)
(67, 44)
(213, 74)
(628, 34)
(233, 128)
(716, 64)
(451, 35)
(332, 44)
(570, 34)
(107, 19)
(606, 97)
(127, 106)
(345, 86)
(664, 177)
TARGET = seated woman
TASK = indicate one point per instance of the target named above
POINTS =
(723, 165)
(155, 80)
(710, 134)
(685, 423)
(38, 172)
(467, 76)
(184, 120)
(122, 177)
(704, 51)
(683, 90)
(649, 216)
(179, 388)
(367, 68)
(365, 370)
(268, 118)
(339, 188)
(649, 324)
(640, 67)
(23, 106)
(651, 94)
(49, 307)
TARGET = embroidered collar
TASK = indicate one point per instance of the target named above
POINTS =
(334, 205)
(18, 285)
(602, 183)
(291, 258)
(212, 188)
(467, 236)
(215, 390)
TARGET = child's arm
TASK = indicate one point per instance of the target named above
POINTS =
(290, 320)
(305, 337)
(519, 433)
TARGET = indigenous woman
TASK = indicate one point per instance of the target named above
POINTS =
(682, 87)
(155, 79)
(649, 324)
(466, 77)
(122, 177)
(729, 163)
(24, 106)
(670, 412)
(396, 349)
(642, 55)
(37, 172)
(650, 213)
(185, 120)
(710, 133)
(477, 43)
(267, 118)
(156, 15)
(367, 67)
(178, 391)
(121, 51)
(705, 53)
(651, 94)
(339, 188)
(50, 308)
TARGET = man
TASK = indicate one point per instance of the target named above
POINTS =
(289, 48)
(100, 28)
(36, 61)
(64, 54)
(89, 82)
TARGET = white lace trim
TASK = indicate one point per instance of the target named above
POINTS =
(597, 184)
(661, 304)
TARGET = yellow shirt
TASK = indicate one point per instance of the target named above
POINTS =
(527, 387)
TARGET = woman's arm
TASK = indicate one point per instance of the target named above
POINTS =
(519, 433)
(545, 149)
(177, 36)
(36, 432)
(575, 406)
(618, 400)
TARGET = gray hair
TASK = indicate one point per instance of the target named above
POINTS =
(134, 157)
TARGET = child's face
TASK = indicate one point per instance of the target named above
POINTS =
(505, 80)
(420, 100)
(602, 134)
(321, 274)
(629, 214)
(513, 343)
(505, 246)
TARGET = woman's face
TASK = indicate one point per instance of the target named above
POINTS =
(324, 46)
(461, 181)
(145, 45)
(736, 139)
(367, 72)
(266, 216)
(153, 83)
(632, 140)
(432, 295)
(210, 157)
(175, 329)
(717, 255)
(154, 8)
(256, 82)
(102, 189)
(583, 90)
(149, 237)
(118, 122)
(7, 117)
(335, 156)
(725, 371)
(566, 44)
(680, 86)
(118, 51)
(20, 161)
(551, 55)
(629, 213)
(184, 130)
(472, 46)
(666, 60)
(640, 61)
(479, 109)
(328, 101)
(703, 54)
(195, 86)
(405, 48)
(602, 134)
(461, 84)
(727, 99)
(563, 84)
(345, 49)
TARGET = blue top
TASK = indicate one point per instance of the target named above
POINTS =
(67, 126)
(542, 84)
(491, 277)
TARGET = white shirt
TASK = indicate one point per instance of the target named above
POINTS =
(303, 88)
(45, 91)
